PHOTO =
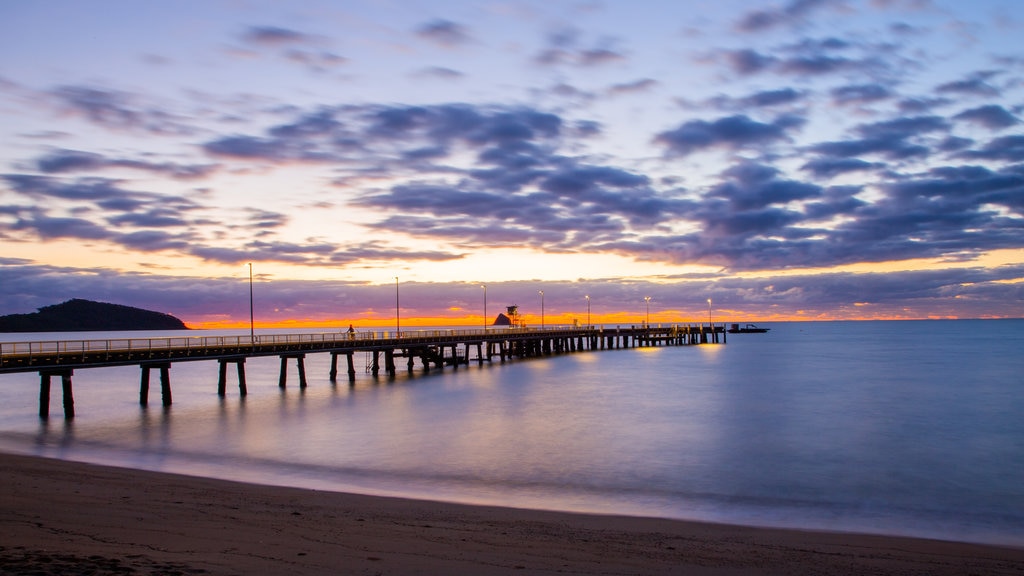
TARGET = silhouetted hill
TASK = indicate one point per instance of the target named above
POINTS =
(81, 315)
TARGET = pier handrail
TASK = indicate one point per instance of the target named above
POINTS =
(9, 350)
(22, 356)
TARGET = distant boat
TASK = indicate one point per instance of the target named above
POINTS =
(748, 329)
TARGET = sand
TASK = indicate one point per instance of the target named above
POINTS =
(60, 517)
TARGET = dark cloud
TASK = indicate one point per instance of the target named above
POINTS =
(975, 85)
(861, 93)
(731, 132)
(831, 167)
(64, 161)
(1006, 148)
(893, 139)
(764, 99)
(116, 110)
(636, 86)
(439, 72)
(563, 49)
(315, 60)
(815, 60)
(444, 33)
(790, 13)
(921, 105)
(748, 61)
(819, 64)
(992, 116)
(777, 97)
(273, 36)
(48, 227)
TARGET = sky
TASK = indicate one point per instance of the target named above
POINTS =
(388, 161)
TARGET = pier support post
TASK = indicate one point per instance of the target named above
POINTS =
(165, 383)
(389, 362)
(334, 367)
(222, 379)
(375, 367)
(351, 367)
(44, 395)
(144, 386)
(300, 362)
(240, 366)
(69, 398)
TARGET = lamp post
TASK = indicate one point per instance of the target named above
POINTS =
(709, 311)
(647, 299)
(252, 331)
(588, 309)
(398, 313)
(484, 286)
(541, 292)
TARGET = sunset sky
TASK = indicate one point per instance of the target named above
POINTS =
(791, 159)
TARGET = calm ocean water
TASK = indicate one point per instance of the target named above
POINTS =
(912, 428)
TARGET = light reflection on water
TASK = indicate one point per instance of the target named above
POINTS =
(889, 427)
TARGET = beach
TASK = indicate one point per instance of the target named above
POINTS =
(61, 517)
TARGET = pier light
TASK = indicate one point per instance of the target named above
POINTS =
(709, 311)
(647, 299)
(252, 331)
(541, 292)
(398, 313)
(484, 286)
(588, 309)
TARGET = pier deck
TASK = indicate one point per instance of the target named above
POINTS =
(436, 348)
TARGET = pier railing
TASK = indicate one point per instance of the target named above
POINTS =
(20, 356)
(446, 347)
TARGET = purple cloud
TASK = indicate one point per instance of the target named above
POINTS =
(732, 132)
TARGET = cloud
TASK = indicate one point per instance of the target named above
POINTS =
(563, 49)
(748, 61)
(25, 287)
(788, 14)
(893, 139)
(992, 116)
(116, 111)
(273, 36)
(974, 85)
(731, 132)
(439, 72)
(62, 161)
(634, 87)
(831, 167)
(861, 94)
(807, 58)
(1006, 148)
(444, 33)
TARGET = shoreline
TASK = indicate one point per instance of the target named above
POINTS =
(61, 517)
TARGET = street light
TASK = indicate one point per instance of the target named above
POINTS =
(648, 300)
(398, 313)
(541, 309)
(252, 331)
(484, 286)
(588, 309)
(709, 311)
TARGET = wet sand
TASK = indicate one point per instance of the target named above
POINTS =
(60, 517)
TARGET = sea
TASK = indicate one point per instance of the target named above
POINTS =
(887, 427)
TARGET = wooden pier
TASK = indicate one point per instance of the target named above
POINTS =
(432, 349)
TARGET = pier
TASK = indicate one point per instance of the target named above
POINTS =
(430, 349)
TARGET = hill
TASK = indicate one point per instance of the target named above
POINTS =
(83, 315)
